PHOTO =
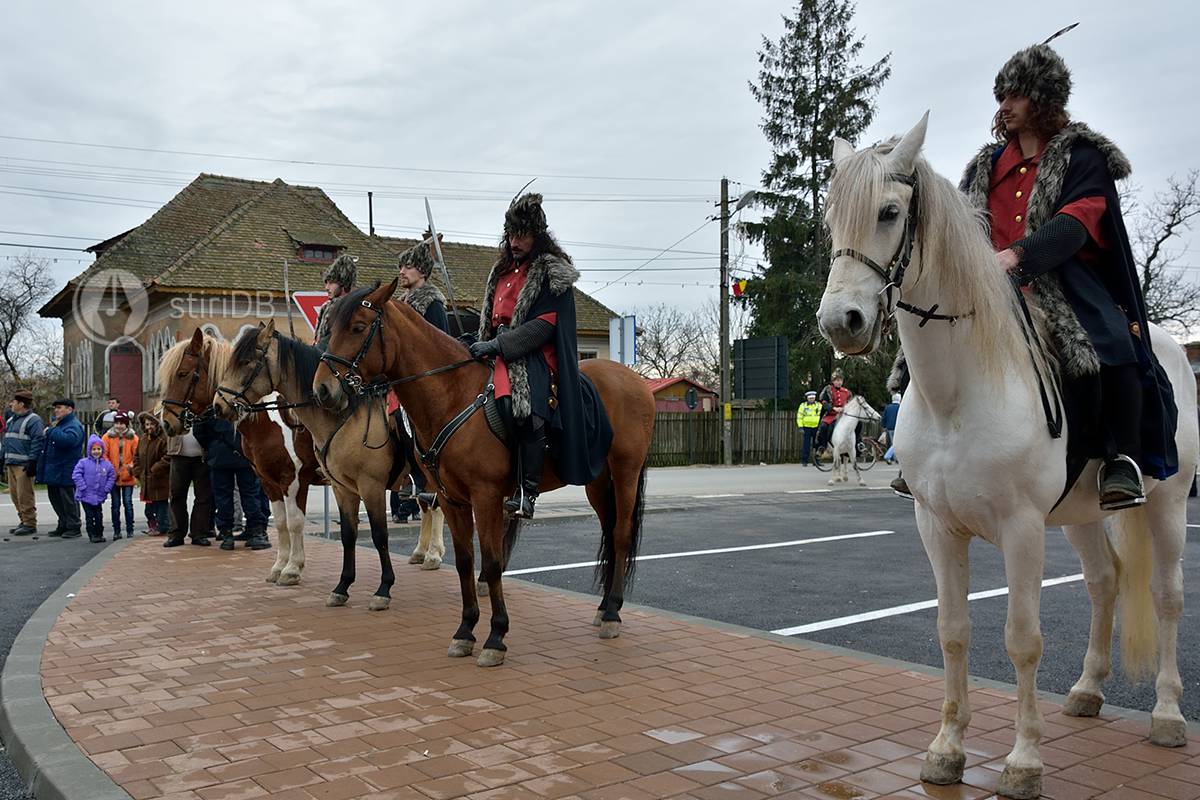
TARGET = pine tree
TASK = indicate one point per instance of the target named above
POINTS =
(811, 88)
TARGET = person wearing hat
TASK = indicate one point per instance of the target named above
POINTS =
(120, 448)
(833, 399)
(64, 446)
(891, 412)
(24, 439)
(808, 417)
(1048, 189)
(528, 325)
(339, 281)
(416, 265)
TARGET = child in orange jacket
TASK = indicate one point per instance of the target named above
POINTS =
(120, 448)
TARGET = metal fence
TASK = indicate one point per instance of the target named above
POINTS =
(759, 437)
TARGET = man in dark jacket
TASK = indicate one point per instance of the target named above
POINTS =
(528, 321)
(24, 439)
(64, 447)
(228, 468)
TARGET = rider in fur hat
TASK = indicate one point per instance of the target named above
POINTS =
(528, 323)
(339, 280)
(1048, 189)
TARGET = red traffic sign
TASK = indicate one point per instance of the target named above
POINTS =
(310, 304)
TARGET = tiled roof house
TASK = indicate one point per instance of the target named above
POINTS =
(213, 256)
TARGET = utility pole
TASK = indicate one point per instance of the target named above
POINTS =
(371, 212)
(726, 394)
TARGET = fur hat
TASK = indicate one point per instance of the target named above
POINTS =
(24, 395)
(121, 417)
(525, 216)
(1038, 73)
(420, 255)
(342, 270)
(145, 417)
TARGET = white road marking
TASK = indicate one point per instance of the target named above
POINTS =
(711, 496)
(1193, 526)
(715, 551)
(895, 611)
(809, 491)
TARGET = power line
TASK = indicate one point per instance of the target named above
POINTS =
(346, 165)
(55, 236)
(653, 258)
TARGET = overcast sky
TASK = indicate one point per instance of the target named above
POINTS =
(552, 90)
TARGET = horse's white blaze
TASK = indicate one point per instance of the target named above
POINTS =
(977, 455)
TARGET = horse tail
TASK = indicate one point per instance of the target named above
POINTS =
(606, 557)
(510, 539)
(1139, 622)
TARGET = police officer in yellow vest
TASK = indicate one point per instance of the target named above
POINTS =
(808, 417)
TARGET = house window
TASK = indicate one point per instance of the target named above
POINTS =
(81, 370)
(584, 355)
(317, 252)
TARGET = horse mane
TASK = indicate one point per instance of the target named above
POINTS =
(347, 304)
(952, 249)
(217, 353)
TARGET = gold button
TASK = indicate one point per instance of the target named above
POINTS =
(1019, 193)
(1017, 217)
(1023, 170)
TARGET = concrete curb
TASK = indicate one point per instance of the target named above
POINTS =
(1119, 712)
(51, 764)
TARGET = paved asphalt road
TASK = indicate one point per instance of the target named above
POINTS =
(768, 588)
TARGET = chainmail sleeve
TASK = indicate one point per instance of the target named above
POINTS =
(1049, 246)
(524, 339)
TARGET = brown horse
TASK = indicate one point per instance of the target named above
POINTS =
(435, 379)
(280, 450)
(356, 450)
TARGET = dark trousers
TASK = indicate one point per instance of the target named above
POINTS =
(242, 479)
(122, 496)
(190, 471)
(824, 431)
(95, 520)
(806, 447)
(408, 450)
(62, 499)
(403, 508)
(1121, 399)
(160, 512)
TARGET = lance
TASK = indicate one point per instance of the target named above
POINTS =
(437, 257)
(287, 294)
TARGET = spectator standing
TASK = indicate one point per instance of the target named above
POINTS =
(94, 477)
(106, 418)
(64, 446)
(24, 439)
(230, 471)
(808, 417)
(188, 470)
(120, 448)
(890, 412)
(153, 470)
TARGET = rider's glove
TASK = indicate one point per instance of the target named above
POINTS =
(485, 349)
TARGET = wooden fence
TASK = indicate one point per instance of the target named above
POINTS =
(759, 437)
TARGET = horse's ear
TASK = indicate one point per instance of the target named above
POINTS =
(904, 154)
(197, 340)
(383, 293)
(265, 332)
(841, 150)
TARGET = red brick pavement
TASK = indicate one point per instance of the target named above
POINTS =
(184, 676)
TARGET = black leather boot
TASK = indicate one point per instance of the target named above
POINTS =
(531, 453)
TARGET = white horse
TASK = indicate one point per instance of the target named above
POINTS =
(973, 477)
(843, 444)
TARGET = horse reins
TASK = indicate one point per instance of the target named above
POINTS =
(188, 417)
(242, 403)
(893, 273)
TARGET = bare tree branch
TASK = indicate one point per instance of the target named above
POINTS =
(1172, 296)
(23, 285)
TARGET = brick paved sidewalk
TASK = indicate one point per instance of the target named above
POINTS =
(184, 676)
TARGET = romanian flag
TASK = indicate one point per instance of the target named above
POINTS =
(739, 287)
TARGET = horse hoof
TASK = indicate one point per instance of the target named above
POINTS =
(431, 562)
(334, 600)
(489, 657)
(610, 630)
(482, 589)
(1166, 732)
(287, 580)
(1020, 783)
(832, 481)
(943, 768)
(460, 648)
(1083, 704)
(379, 603)
(273, 577)
(596, 620)
(416, 558)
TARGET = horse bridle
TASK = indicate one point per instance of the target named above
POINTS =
(352, 381)
(187, 417)
(893, 273)
(238, 399)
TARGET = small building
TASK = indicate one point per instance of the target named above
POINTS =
(213, 257)
(671, 394)
(1193, 356)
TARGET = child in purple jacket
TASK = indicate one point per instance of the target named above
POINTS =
(94, 477)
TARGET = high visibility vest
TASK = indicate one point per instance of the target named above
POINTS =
(808, 415)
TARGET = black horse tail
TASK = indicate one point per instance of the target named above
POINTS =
(607, 555)
(510, 539)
